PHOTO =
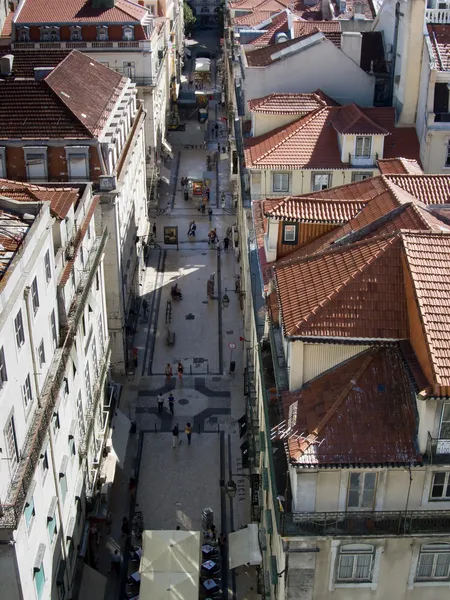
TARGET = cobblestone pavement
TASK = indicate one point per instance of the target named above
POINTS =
(175, 484)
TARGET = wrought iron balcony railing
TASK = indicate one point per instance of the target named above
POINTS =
(381, 523)
(438, 450)
(357, 160)
(11, 510)
(146, 81)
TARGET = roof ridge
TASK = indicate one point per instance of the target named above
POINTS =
(360, 114)
(306, 119)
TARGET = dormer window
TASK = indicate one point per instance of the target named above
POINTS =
(128, 33)
(363, 146)
(75, 34)
(49, 34)
(23, 34)
(102, 33)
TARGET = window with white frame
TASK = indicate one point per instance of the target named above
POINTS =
(361, 176)
(100, 333)
(433, 563)
(39, 574)
(53, 329)
(129, 69)
(94, 356)
(27, 394)
(36, 163)
(128, 33)
(440, 486)
(77, 163)
(47, 266)
(87, 381)
(280, 182)
(80, 415)
(355, 564)
(29, 511)
(75, 33)
(363, 146)
(3, 163)
(54, 34)
(321, 181)
(41, 353)
(361, 491)
(63, 478)
(51, 520)
(447, 157)
(444, 428)
(19, 330)
(23, 34)
(290, 233)
(11, 443)
(3, 371)
(55, 423)
(35, 295)
(102, 33)
(44, 463)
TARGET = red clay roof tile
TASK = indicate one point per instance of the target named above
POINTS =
(439, 36)
(314, 210)
(263, 57)
(399, 166)
(286, 104)
(359, 413)
(61, 198)
(79, 11)
(350, 119)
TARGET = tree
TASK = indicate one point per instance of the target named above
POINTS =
(189, 17)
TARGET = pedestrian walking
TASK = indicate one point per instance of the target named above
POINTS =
(145, 307)
(203, 207)
(115, 563)
(192, 229)
(226, 243)
(135, 357)
(160, 400)
(180, 371)
(223, 149)
(154, 229)
(171, 400)
(125, 527)
(210, 212)
(175, 436)
(168, 372)
(208, 193)
(188, 432)
(223, 200)
(168, 209)
(218, 148)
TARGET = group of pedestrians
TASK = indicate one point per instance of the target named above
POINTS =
(176, 434)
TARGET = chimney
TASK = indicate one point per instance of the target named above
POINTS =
(41, 73)
(351, 42)
(6, 64)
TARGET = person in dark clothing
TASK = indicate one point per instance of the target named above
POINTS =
(125, 527)
(154, 229)
(226, 243)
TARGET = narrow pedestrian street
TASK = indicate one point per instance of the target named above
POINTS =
(174, 484)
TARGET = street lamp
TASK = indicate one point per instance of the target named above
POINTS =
(225, 301)
(230, 486)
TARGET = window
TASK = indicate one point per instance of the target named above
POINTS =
(72, 449)
(55, 423)
(102, 33)
(433, 563)
(36, 163)
(63, 478)
(321, 181)
(94, 356)
(129, 69)
(35, 295)
(83, 325)
(29, 511)
(48, 270)
(54, 34)
(11, 443)
(290, 233)
(53, 328)
(355, 563)
(39, 575)
(80, 414)
(41, 353)
(447, 158)
(23, 34)
(361, 493)
(18, 327)
(281, 182)
(66, 386)
(444, 429)
(440, 487)
(51, 520)
(27, 394)
(77, 162)
(75, 34)
(44, 463)
(128, 33)
(87, 381)
(3, 163)
(100, 333)
(361, 176)
(3, 372)
(363, 146)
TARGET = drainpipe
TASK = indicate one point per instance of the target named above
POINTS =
(394, 54)
(26, 294)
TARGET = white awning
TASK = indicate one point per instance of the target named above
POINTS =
(93, 584)
(243, 547)
(167, 148)
(121, 425)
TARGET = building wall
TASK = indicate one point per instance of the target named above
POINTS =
(322, 66)
(307, 232)
(310, 360)
(262, 123)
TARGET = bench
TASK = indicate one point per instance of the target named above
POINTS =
(170, 337)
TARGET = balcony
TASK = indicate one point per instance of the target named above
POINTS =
(437, 15)
(438, 451)
(135, 46)
(359, 161)
(140, 81)
(365, 524)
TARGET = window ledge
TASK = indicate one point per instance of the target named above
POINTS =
(431, 584)
(366, 584)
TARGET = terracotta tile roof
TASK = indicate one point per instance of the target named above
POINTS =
(399, 166)
(13, 229)
(306, 143)
(360, 190)
(354, 291)
(329, 422)
(79, 11)
(278, 24)
(25, 61)
(312, 142)
(331, 30)
(314, 210)
(7, 25)
(262, 57)
(428, 258)
(252, 18)
(429, 189)
(286, 104)
(89, 89)
(439, 36)
(352, 120)
(61, 198)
